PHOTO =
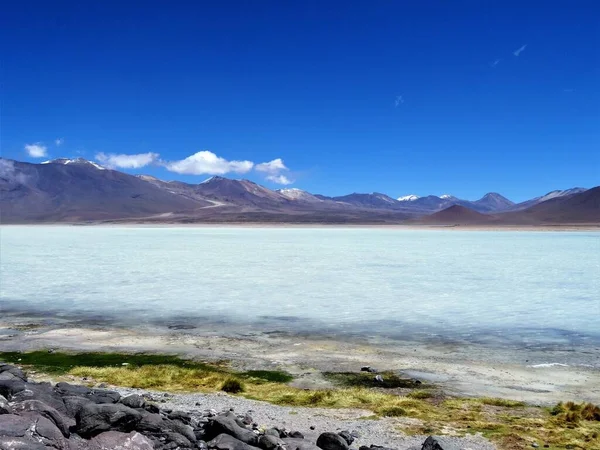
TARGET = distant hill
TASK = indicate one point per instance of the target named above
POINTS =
(79, 191)
(549, 196)
(456, 215)
(582, 207)
(493, 201)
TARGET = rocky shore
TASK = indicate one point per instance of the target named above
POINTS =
(42, 415)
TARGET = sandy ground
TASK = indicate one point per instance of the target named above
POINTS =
(539, 376)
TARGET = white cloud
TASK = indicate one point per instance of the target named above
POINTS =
(58, 142)
(279, 179)
(127, 161)
(36, 150)
(206, 162)
(495, 63)
(518, 51)
(399, 99)
(8, 172)
(272, 167)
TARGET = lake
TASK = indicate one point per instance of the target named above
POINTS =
(530, 287)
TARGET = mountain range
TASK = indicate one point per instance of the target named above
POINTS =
(77, 190)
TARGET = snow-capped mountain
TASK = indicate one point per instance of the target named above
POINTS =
(298, 194)
(448, 197)
(408, 198)
(76, 161)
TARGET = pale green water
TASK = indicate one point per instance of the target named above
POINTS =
(394, 282)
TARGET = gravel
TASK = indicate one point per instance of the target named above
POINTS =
(311, 422)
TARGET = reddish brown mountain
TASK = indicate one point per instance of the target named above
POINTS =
(457, 215)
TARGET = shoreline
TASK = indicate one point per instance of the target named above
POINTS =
(535, 376)
(325, 225)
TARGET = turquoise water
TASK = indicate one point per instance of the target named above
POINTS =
(376, 281)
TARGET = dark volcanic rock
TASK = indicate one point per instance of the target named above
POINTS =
(33, 428)
(227, 425)
(296, 434)
(4, 408)
(95, 395)
(299, 444)
(42, 392)
(267, 442)
(8, 388)
(115, 440)
(62, 423)
(331, 441)
(347, 437)
(134, 401)
(226, 442)
(94, 419)
(438, 443)
(10, 372)
(181, 416)
(157, 427)
(19, 443)
(74, 404)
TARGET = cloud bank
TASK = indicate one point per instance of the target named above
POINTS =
(36, 150)
(206, 162)
(122, 161)
(200, 163)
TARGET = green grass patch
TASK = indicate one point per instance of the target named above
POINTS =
(367, 380)
(418, 394)
(392, 411)
(232, 385)
(501, 402)
(274, 376)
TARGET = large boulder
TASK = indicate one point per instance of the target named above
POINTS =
(157, 427)
(73, 404)
(439, 443)
(299, 444)
(8, 388)
(347, 437)
(10, 372)
(32, 428)
(268, 442)
(331, 441)
(134, 401)
(94, 419)
(227, 425)
(226, 442)
(42, 392)
(95, 395)
(62, 423)
(115, 440)
(19, 443)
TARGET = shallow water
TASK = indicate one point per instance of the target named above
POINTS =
(526, 287)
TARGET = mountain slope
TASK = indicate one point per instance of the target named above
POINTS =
(549, 196)
(76, 192)
(493, 202)
(375, 200)
(456, 215)
(582, 207)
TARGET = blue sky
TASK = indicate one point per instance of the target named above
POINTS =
(338, 97)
